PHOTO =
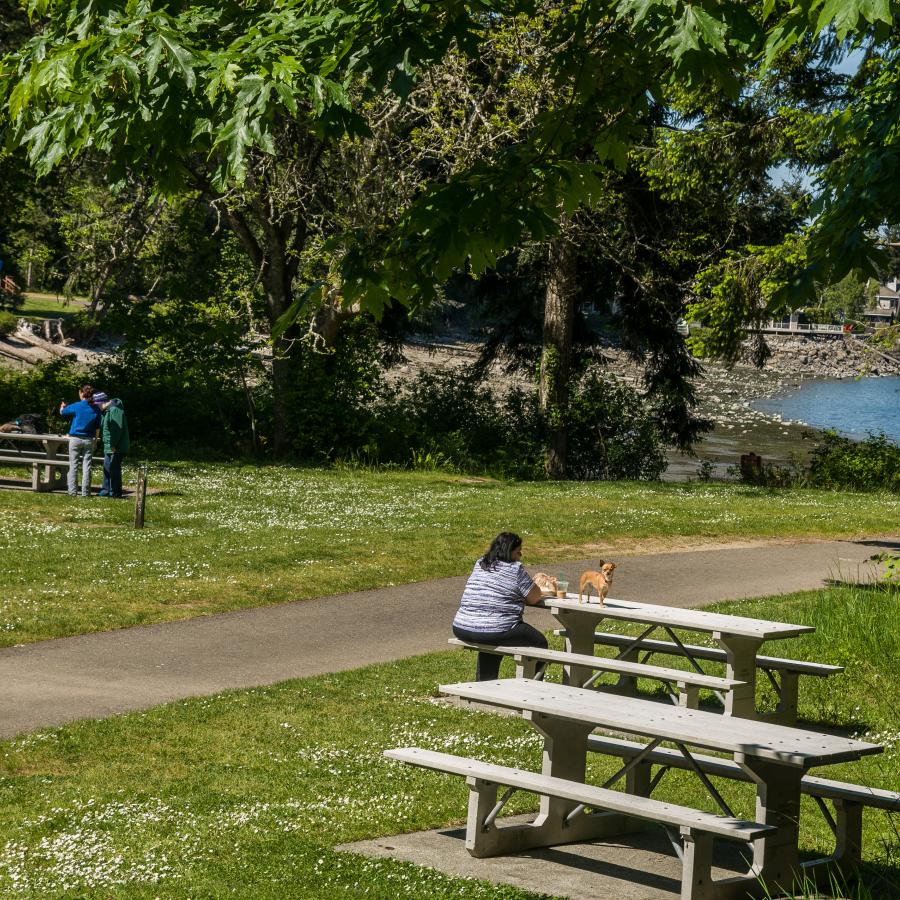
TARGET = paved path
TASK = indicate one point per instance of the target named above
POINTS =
(102, 674)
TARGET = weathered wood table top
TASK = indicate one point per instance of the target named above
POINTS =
(48, 440)
(691, 619)
(794, 747)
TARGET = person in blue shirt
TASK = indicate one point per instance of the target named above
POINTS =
(85, 422)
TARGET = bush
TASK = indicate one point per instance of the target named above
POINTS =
(8, 322)
(869, 465)
(40, 390)
(612, 433)
(837, 463)
(450, 420)
(331, 404)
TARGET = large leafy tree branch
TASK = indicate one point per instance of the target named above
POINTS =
(225, 96)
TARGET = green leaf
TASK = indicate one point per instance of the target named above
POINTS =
(712, 29)
(180, 58)
(312, 295)
(842, 15)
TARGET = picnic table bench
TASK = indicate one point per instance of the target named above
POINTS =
(739, 639)
(695, 828)
(687, 685)
(849, 800)
(785, 686)
(774, 757)
(41, 452)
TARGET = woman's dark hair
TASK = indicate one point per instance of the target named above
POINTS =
(501, 550)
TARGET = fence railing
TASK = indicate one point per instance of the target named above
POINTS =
(787, 326)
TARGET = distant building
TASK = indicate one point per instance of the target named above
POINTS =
(887, 304)
(888, 296)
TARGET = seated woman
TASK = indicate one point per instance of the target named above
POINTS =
(490, 611)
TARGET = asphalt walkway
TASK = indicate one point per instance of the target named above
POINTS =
(99, 675)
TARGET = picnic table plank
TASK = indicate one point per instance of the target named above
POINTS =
(745, 737)
(674, 617)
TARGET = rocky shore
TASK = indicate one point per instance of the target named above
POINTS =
(726, 394)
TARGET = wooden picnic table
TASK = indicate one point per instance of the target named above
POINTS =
(40, 451)
(774, 757)
(740, 638)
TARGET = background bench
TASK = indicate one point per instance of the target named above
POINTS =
(687, 684)
(697, 828)
(785, 685)
(11, 458)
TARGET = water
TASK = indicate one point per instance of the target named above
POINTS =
(851, 407)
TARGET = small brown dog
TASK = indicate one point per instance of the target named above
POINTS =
(600, 581)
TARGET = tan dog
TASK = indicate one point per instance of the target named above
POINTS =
(547, 583)
(600, 581)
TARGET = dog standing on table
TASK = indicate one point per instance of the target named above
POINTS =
(600, 581)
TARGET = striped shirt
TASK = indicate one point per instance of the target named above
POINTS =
(493, 600)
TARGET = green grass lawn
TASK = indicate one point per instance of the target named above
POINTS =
(49, 306)
(223, 537)
(247, 793)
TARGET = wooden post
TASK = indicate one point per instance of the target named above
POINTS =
(140, 496)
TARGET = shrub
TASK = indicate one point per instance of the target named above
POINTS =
(39, 390)
(450, 420)
(838, 463)
(869, 465)
(333, 395)
(612, 433)
(8, 322)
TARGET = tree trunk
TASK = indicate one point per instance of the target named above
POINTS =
(276, 281)
(556, 356)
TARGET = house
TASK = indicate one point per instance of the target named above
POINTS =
(888, 296)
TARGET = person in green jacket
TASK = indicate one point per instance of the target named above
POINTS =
(114, 431)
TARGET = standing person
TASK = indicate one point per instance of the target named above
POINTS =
(493, 602)
(85, 422)
(114, 431)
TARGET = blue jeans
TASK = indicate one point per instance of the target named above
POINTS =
(112, 475)
(81, 450)
(488, 666)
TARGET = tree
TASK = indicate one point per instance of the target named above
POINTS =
(239, 101)
(220, 96)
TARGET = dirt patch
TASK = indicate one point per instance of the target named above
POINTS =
(636, 547)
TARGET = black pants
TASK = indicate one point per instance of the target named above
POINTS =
(488, 666)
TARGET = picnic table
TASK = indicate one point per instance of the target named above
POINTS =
(42, 452)
(774, 757)
(739, 639)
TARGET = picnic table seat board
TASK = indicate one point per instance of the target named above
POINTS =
(51, 467)
(786, 685)
(849, 799)
(692, 843)
(527, 658)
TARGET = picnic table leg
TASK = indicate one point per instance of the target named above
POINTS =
(579, 639)
(786, 711)
(847, 856)
(740, 664)
(776, 861)
(558, 821)
(696, 879)
(53, 476)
